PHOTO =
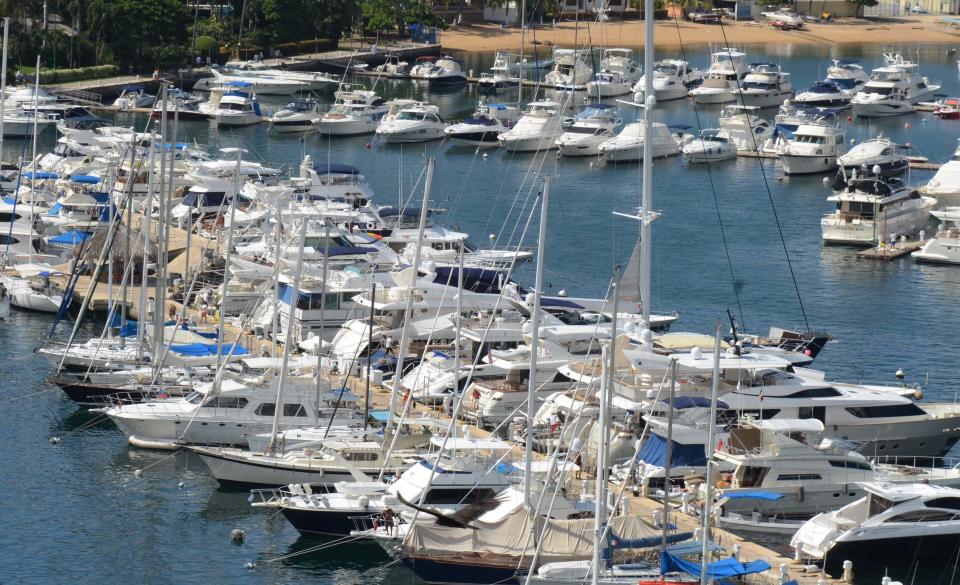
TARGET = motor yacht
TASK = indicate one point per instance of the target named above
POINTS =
(814, 148)
(134, 96)
(712, 145)
(672, 79)
(944, 246)
(872, 210)
(355, 111)
(570, 69)
(504, 74)
(594, 125)
(618, 72)
(876, 153)
(484, 127)
(417, 123)
(259, 83)
(875, 531)
(299, 116)
(727, 68)
(538, 128)
(823, 94)
(765, 85)
(393, 67)
(893, 90)
(848, 74)
(445, 71)
(234, 105)
(745, 128)
(422, 65)
(628, 144)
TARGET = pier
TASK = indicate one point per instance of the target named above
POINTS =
(885, 251)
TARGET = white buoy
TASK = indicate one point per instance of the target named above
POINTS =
(492, 237)
(54, 440)
(899, 374)
(876, 169)
(484, 155)
(237, 536)
(848, 571)
(181, 485)
(251, 566)
(826, 180)
(562, 293)
(138, 473)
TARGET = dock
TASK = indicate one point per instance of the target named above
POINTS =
(884, 251)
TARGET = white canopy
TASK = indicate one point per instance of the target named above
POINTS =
(791, 425)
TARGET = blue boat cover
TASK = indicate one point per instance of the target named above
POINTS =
(554, 302)
(379, 415)
(86, 179)
(753, 495)
(390, 211)
(729, 567)
(55, 209)
(654, 452)
(10, 200)
(238, 84)
(681, 402)
(71, 238)
(205, 349)
(614, 541)
(335, 169)
(129, 329)
(348, 250)
(40, 175)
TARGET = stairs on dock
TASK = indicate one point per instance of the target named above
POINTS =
(87, 98)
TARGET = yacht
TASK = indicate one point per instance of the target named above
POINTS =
(299, 116)
(261, 84)
(393, 67)
(823, 94)
(594, 125)
(672, 79)
(766, 85)
(727, 68)
(944, 246)
(745, 128)
(871, 210)
(892, 526)
(814, 148)
(628, 144)
(618, 72)
(417, 123)
(893, 90)
(538, 129)
(712, 145)
(422, 65)
(33, 290)
(134, 96)
(848, 74)
(234, 105)
(355, 111)
(504, 74)
(570, 69)
(484, 127)
(876, 152)
(445, 71)
(945, 183)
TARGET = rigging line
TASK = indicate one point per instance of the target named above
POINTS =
(713, 188)
(773, 206)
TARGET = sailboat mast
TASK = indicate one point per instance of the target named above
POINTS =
(3, 77)
(33, 165)
(226, 270)
(534, 346)
(159, 288)
(646, 200)
(708, 496)
(600, 492)
(523, 28)
(665, 520)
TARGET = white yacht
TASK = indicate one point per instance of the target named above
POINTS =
(727, 67)
(234, 105)
(945, 183)
(538, 128)
(261, 84)
(445, 71)
(892, 526)
(628, 144)
(823, 94)
(618, 72)
(944, 246)
(712, 145)
(766, 85)
(299, 116)
(745, 128)
(393, 67)
(355, 111)
(814, 148)
(422, 65)
(570, 69)
(848, 74)
(417, 123)
(484, 127)
(871, 210)
(672, 79)
(594, 125)
(33, 290)
(876, 152)
(893, 90)
(504, 74)
(134, 96)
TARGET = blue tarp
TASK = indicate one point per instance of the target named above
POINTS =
(553, 302)
(753, 495)
(10, 201)
(40, 175)
(86, 179)
(729, 567)
(347, 250)
(238, 84)
(129, 330)
(335, 169)
(654, 452)
(55, 209)
(681, 402)
(71, 238)
(205, 349)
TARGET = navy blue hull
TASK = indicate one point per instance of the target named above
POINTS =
(439, 571)
(933, 552)
(321, 521)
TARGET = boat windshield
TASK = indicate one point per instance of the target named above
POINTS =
(879, 505)
(879, 90)
(666, 69)
(194, 397)
(843, 82)
(480, 121)
(585, 130)
(408, 115)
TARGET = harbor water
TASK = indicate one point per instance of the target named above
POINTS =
(736, 235)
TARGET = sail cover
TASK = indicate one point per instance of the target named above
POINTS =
(729, 567)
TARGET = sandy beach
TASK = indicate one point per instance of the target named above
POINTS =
(671, 34)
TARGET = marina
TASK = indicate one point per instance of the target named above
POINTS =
(421, 315)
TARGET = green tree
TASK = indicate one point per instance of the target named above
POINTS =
(395, 15)
(138, 33)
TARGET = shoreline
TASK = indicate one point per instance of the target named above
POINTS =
(915, 30)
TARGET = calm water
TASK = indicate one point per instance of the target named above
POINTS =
(74, 512)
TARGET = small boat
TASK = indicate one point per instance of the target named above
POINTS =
(875, 210)
(947, 109)
(672, 79)
(893, 90)
(765, 86)
(445, 71)
(848, 74)
(745, 128)
(823, 94)
(628, 145)
(537, 130)
(134, 96)
(944, 246)
(814, 148)
(713, 145)
(877, 153)
(594, 125)
(355, 111)
(618, 72)
(299, 116)
(727, 68)
(417, 123)
(393, 67)
(484, 126)
(234, 105)
(570, 69)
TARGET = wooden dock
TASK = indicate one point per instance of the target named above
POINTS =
(884, 251)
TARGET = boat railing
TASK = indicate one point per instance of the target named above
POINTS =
(379, 524)
(919, 462)
(270, 496)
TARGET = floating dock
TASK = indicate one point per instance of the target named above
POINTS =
(884, 251)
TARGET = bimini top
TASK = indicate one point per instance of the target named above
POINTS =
(335, 169)
(235, 83)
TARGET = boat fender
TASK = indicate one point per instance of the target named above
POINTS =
(364, 502)
(799, 493)
(237, 536)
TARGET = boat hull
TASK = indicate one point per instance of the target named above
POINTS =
(533, 144)
(939, 251)
(807, 165)
(769, 99)
(882, 109)
(702, 96)
(881, 553)
(249, 473)
(323, 522)
(346, 127)
(451, 572)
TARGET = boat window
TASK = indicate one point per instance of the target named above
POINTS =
(879, 90)
(751, 476)
(817, 412)
(799, 477)
(194, 398)
(923, 516)
(846, 464)
(729, 415)
(359, 456)
(948, 502)
(459, 495)
(879, 504)
(892, 410)
(226, 402)
(268, 409)
(825, 392)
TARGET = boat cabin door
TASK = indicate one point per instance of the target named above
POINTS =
(817, 412)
